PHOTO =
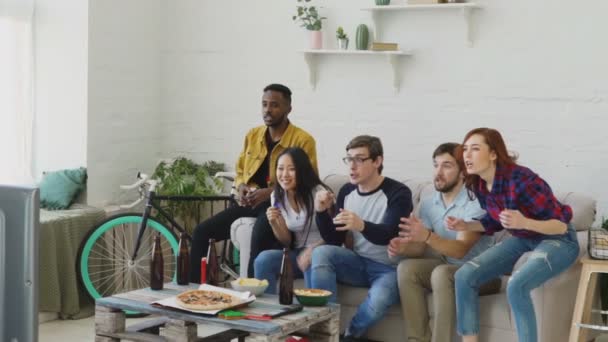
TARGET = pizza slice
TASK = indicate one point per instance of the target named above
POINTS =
(206, 300)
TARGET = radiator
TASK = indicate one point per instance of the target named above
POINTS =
(19, 231)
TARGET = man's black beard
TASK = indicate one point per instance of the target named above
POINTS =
(448, 187)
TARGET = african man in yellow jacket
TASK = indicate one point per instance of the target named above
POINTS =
(255, 176)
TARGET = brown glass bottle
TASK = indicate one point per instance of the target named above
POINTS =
(156, 266)
(183, 261)
(212, 265)
(286, 280)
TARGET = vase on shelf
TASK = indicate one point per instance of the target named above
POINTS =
(342, 44)
(362, 37)
(316, 40)
(382, 2)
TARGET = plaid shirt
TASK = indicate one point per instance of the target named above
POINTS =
(519, 188)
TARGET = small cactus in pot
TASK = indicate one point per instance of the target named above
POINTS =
(342, 38)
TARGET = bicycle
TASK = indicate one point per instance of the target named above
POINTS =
(115, 255)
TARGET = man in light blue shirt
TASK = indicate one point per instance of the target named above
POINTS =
(418, 276)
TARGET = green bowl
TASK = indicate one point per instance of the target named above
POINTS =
(314, 297)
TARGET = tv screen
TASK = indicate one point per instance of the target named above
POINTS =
(19, 226)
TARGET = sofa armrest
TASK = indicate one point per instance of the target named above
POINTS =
(240, 234)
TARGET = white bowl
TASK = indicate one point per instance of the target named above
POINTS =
(255, 290)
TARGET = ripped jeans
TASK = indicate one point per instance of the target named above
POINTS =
(551, 254)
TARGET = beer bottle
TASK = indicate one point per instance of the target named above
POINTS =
(156, 266)
(183, 261)
(212, 265)
(286, 280)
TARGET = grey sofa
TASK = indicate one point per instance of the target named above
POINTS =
(554, 301)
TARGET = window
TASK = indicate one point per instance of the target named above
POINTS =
(16, 99)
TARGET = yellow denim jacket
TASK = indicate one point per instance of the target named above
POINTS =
(255, 151)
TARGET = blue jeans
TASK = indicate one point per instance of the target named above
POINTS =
(268, 266)
(551, 254)
(333, 264)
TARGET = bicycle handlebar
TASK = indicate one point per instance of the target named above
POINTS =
(228, 175)
(142, 179)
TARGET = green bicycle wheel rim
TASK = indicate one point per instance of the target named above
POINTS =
(86, 251)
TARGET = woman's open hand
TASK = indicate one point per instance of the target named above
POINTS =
(455, 223)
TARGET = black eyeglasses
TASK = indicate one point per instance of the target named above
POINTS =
(357, 160)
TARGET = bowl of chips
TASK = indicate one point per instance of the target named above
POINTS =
(312, 297)
(255, 286)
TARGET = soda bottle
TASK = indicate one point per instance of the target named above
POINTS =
(286, 280)
(183, 261)
(212, 265)
(156, 266)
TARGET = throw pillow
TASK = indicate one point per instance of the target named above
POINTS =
(59, 188)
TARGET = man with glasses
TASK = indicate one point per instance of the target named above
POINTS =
(365, 217)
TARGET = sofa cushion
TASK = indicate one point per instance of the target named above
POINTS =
(420, 188)
(354, 296)
(335, 181)
(59, 188)
(583, 208)
(240, 234)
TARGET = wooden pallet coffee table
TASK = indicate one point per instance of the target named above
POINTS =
(322, 322)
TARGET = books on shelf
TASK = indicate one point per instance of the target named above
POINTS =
(379, 46)
(422, 2)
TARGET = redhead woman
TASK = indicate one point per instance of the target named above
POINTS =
(291, 217)
(518, 200)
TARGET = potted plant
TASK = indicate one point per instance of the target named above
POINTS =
(309, 18)
(342, 38)
(182, 176)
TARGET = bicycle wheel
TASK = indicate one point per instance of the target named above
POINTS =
(104, 258)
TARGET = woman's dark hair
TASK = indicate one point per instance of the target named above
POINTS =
(306, 181)
(496, 143)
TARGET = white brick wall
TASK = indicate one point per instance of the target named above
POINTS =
(123, 128)
(60, 103)
(536, 72)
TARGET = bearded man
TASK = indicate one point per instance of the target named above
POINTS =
(416, 277)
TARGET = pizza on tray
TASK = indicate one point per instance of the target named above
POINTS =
(205, 300)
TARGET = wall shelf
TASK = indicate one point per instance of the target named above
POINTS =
(392, 57)
(466, 9)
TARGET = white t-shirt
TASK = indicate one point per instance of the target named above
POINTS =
(296, 222)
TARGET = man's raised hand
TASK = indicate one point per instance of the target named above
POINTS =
(324, 200)
(348, 220)
(412, 229)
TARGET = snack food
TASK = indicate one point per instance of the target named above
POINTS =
(312, 292)
(205, 300)
(252, 282)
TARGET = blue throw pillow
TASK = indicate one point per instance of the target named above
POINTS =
(59, 188)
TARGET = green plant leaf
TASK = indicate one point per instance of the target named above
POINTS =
(185, 177)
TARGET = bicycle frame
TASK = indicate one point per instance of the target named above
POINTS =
(153, 201)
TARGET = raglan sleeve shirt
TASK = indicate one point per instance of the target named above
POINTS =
(325, 221)
(399, 205)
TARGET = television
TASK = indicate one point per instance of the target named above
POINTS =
(19, 231)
